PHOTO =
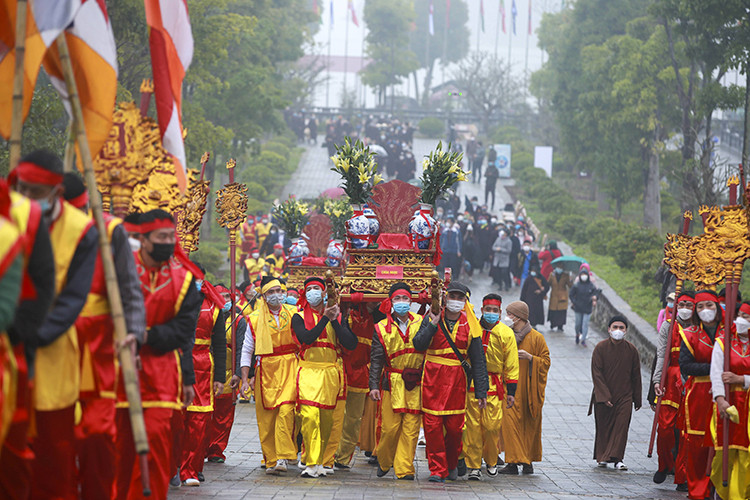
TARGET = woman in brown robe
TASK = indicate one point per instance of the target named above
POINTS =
(616, 373)
(522, 424)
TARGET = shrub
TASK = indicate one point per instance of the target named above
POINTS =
(273, 161)
(572, 227)
(278, 148)
(522, 160)
(431, 127)
(256, 191)
(209, 257)
(288, 141)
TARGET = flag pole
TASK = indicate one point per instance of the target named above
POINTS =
(127, 360)
(445, 42)
(362, 85)
(70, 147)
(526, 59)
(497, 32)
(479, 26)
(328, 59)
(16, 123)
(346, 47)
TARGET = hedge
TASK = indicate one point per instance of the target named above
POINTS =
(431, 127)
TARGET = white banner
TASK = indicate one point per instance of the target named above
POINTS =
(543, 159)
(503, 160)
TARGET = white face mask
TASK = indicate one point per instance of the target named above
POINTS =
(742, 325)
(256, 255)
(684, 313)
(584, 277)
(617, 334)
(135, 244)
(707, 315)
(526, 248)
(508, 321)
(454, 306)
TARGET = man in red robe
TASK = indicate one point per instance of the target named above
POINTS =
(453, 340)
(166, 377)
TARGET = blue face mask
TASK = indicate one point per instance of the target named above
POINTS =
(291, 300)
(401, 307)
(198, 285)
(491, 318)
(45, 205)
(227, 306)
(314, 296)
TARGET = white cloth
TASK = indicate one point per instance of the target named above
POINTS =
(717, 368)
(248, 348)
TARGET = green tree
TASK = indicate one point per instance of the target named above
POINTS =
(449, 43)
(387, 44)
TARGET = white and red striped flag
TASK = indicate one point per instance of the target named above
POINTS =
(354, 14)
(431, 20)
(45, 20)
(502, 13)
(93, 54)
(171, 41)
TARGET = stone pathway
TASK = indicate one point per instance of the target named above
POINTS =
(566, 471)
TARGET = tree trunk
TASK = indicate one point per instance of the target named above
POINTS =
(416, 85)
(486, 121)
(651, 193)
(746, 131)
(427, 84)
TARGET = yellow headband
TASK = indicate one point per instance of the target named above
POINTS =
(269, 285)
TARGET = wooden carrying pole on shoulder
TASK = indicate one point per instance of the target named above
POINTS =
(127, 361)
(16, 120)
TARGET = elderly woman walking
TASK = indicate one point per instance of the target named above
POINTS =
(559, 283)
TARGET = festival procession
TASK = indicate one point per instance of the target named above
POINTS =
(203, 296)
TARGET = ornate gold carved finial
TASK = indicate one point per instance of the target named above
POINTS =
(205, 157)
(688, 214)
(733, 181)
(231, 205)
(231, 163)
(147, 86)
(702, 209)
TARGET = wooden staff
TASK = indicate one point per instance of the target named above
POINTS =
(232, 276)
(70, 147)
(127, 360)
(668, 350)
(333, 296)
(734, 271)
(16, 120)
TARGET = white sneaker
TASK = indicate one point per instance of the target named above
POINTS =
(271, 471)
(492, 470)
(310, 471)
(327, 471)
(421, 441)
(621, 466)
(191, 482)
(281, 465)
(475, 475)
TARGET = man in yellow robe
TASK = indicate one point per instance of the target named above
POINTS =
(393, 351)
(522, 425)
(320, 379)
(271, 339)
(482, 429)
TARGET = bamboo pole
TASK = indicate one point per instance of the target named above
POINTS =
(70, 147)
(127, 361)
(16, 121)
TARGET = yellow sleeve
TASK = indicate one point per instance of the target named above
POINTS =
(510, 363)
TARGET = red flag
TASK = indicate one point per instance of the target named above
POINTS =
(171, 42)
(529, 17)
(93, 54)
(316, 9)
(354, 14)
(502, 13)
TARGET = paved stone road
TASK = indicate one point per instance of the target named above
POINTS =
(566, 471)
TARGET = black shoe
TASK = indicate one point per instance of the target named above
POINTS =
(511, 469)
(368, 454)
(528, 469)
(660, 476)
(382, 472)
(434, 478)
(201, 477)
(339, 465)
(452, 475)
(682, 487)
(175, 481)
(578, 338)
(500, 462)
(461, 468)
(372, 461)
(408, 477)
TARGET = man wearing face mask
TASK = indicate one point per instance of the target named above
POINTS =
(167, 376)
(209, 364)
(695, 366)
(393, 351)
(583, 296)
(222, 417)
(96, 433)
(522, 424)
(671, 393)
(731, 406)
(616, 373)
(278, 258)
(321, 334)
(254, 264)
(450, 243)
(482, 430)
(453, 340)
(271, 340)
(262, 228)
(527, 259)
(39, 176)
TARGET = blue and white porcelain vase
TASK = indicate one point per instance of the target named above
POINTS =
(334, 253)
(358, 229)
(422, 227)
(374, 222)
(298, 251)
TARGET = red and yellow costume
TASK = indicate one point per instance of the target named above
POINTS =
(698, 403)
(275, 379)
(401, 410)
(482, 429)
(164, 290)
(739, 461)
(223, 416)
(96, 432)
(356, 367)
(198, 415)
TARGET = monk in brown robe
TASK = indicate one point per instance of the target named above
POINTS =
(616, 373)
(522, 424)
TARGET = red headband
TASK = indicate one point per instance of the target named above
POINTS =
(745, 308)
(155, 224)
(34, 174)
(315, 281)
(401, 293)
(222, 289)
(131, 228)
(492, 302)
(278, 245)
(80, 201)
(685, 298)
(703, 296)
